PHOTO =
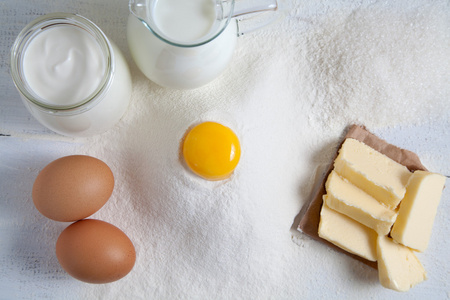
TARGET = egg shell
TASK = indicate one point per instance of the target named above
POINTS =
(95, 251)
(72, 188)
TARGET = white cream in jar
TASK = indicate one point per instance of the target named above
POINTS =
(70, 76)
(64, 60)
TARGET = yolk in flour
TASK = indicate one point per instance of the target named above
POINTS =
(211, 150)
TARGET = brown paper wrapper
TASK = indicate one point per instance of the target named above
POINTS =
(310, 215)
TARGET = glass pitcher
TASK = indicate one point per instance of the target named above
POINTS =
(185, 44)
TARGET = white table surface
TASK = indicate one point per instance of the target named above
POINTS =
(28, 270)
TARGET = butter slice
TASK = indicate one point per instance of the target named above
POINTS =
(351, 201)
(375, 173)
(347, 234)
(398, 268)
(418, 210)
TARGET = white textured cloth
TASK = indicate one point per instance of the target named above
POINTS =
(289, 94)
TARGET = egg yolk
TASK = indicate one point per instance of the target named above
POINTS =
(211, 150)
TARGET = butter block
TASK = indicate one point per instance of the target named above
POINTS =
(398, 268)
(418, 210)
(375, 173)
(347, 234)
(353, 202)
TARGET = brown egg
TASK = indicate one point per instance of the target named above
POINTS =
(72, 188)
(95, 251)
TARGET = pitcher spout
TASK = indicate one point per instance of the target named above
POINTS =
(139, 9)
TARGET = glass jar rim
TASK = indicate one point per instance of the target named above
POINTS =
(43, 23)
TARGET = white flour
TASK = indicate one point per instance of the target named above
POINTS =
(289, 101)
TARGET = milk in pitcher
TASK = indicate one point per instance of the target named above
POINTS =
(184, 21)
(179, 57)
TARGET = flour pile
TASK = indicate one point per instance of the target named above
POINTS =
(289, 101)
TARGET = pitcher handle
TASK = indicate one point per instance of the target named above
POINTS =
(252, 15)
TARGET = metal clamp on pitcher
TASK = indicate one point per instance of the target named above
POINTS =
(186, 44)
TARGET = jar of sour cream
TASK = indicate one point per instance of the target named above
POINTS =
(71, 78)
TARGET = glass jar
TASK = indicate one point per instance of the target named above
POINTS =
(45, 95)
